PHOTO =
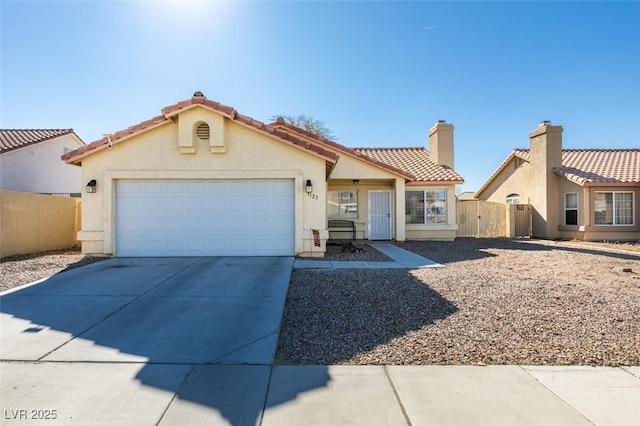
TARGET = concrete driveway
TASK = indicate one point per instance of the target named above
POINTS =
(117, 339)
(153, 310)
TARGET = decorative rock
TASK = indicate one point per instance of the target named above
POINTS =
(475, 310)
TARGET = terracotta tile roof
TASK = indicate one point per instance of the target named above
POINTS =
(412, 163)
(198, 100)
(415, 161)
(11, 139)
(587, 166)
(584, 166)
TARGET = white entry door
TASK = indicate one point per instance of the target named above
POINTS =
(380, 215)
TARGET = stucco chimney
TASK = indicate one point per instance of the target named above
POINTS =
(441, 143)
(545, 153)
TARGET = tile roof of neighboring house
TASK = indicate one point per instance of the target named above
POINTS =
(588, 166)
(412, 163)
(11, 139)
(415, 161)
(198, 100)
(596, 165)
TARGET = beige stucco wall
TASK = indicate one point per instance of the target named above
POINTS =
(242, 154)
(512, 180)
(31, 223)
(38, 168)
(349, 168)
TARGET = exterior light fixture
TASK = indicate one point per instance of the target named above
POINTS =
(309, 187)
(356, 181)
(91, 186)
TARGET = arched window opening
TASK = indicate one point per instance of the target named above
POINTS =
(513, 199)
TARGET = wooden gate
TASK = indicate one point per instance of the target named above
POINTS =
(520, 220)
(486, 219)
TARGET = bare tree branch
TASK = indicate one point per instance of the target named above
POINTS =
(309, 124)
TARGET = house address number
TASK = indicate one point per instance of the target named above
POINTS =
(313, 196)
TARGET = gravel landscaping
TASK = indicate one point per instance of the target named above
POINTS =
(24, 269)
(493, 302)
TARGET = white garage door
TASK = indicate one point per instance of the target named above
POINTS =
(205, 218)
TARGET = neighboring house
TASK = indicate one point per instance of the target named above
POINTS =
(202, 179)
(30, 161)
(588, 194)
(466, 196)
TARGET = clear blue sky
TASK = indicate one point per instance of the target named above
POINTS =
(377, 74)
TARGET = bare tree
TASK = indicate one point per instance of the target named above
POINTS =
(309, 124)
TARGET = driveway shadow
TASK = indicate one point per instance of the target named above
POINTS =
(332, 316)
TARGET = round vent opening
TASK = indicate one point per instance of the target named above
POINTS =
(202, 131)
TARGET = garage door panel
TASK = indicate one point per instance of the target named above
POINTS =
(195, 187)
(216, 245)
(196, 224)
(260, 224)
(174, 245)
(279, 225)
(152, 187)
(196, 245)
(205, 218)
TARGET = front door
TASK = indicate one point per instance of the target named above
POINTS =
(380, 215)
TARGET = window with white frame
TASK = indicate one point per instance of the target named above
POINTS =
(571, 208)
(342, 204)
(513, 199)
(614, 208)
(426, 207)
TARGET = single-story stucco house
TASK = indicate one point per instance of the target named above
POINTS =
(30, 161)
(587, 194)
(203, 180)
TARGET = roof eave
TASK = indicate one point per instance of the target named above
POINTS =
(497, 172)
(609, 184)
(343, 149)
(435, 182)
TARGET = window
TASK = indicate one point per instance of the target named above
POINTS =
(426, 207)
(342, 204)
(513, 199)
(571, 208)
(614, 208)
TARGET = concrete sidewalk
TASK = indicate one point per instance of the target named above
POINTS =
(195, 394)
(401, 258)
